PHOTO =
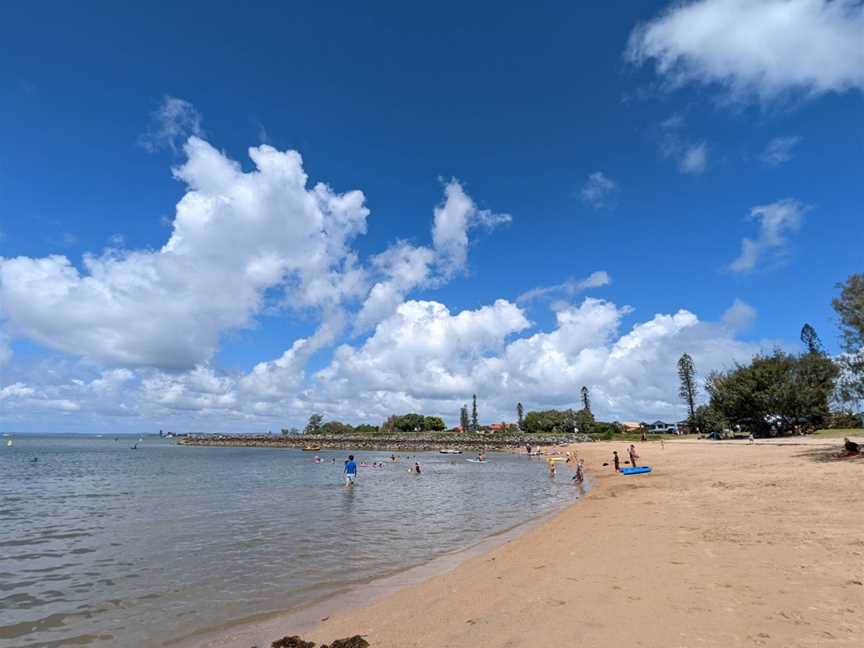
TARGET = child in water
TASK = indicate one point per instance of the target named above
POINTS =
(417, 467)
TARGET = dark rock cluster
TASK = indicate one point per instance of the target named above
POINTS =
(296, 642)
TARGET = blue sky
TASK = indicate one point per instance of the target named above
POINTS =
(643, 140)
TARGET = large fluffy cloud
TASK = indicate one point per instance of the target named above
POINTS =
(757, 47)
(424, 358)
(236, 235)
(427, 356)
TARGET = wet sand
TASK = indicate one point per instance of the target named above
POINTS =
(722, 545)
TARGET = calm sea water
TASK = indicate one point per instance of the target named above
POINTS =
(101, 545)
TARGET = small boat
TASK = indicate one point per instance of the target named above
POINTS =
(450, 451)
(311, 448)
(9, 443)
(478, 460)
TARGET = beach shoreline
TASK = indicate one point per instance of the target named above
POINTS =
(724, 544)
(262, 629)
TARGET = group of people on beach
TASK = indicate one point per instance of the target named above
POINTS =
(616, 461)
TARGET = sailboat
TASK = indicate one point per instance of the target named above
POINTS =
(9, 443)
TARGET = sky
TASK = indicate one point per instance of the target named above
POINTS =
(225, 218)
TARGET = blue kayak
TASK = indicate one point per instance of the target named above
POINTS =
(636, 471)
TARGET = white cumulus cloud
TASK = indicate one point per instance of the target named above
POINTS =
(235, 236)
(761, 48)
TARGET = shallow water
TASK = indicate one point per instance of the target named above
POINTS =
(101, 545)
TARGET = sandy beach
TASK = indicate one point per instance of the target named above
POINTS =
(722, 545)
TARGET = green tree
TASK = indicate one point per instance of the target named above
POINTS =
(775, 392)
(849, 306)
(434, 423)
(709, 420)
(520, 415)
(463, 418)
(410, 422)
(584, 421)
(474, 424)
(314, 424)
(811, 340)
(687, 388)
(586, 399)
(365, 429)
(336, 428)
(558, 422)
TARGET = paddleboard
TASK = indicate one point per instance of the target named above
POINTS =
(477, 460)
(636, 471)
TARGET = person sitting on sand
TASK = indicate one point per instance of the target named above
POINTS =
(633, 455)
(616, 461)
(350, 471)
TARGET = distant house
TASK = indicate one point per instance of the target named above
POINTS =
(499, 427)
(630, 426)
(660, 427)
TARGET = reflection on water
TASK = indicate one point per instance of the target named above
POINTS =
(104, 546)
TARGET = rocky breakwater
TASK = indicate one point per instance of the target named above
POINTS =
(429, 442)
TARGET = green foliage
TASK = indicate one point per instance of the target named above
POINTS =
(586, 399)
(434, 423)
(366, 429)
(410, 422)
(520, 415)
(775, 392)
(708, 420)
(463, 419)
(849, 306)
(605, 429)
(558, 422)
(336, 428)
(811, 340)
(844, 420)
(475, 426)
(687, 388)
(314, 424)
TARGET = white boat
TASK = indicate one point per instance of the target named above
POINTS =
(450, 451)
(9, 443)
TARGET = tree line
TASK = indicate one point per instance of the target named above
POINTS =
(781, 392)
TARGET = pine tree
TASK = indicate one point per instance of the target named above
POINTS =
(520, 413)
(463, 418)
(811, 340)
(586, 399)
(687, 390)
(474, 424)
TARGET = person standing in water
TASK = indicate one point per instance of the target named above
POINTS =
(350, 471)
(579, 477)
(633, 455)
(417, 467)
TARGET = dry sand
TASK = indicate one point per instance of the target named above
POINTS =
(722, 545)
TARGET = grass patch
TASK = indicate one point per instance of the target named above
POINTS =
(839, 433)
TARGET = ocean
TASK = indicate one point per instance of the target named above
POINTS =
(103, 545)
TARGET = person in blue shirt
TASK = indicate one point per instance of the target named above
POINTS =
(350, 471)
